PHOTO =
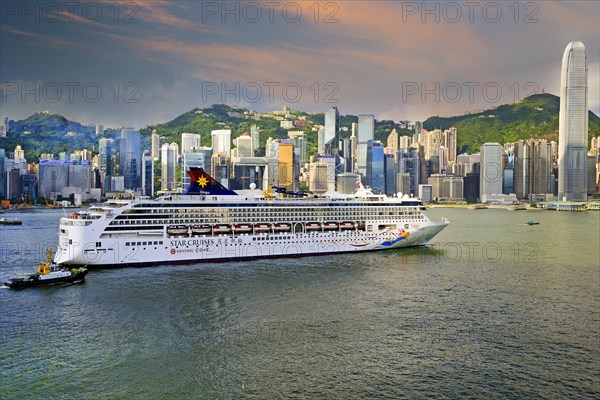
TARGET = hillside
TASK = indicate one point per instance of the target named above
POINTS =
(45, 132)
(534, 117)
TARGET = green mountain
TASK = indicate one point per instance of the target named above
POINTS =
(239, 120)
(45, 132)
(534, 117)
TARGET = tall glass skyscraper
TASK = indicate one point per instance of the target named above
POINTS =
(331, 133)
(130, 158)
(366, 132)
(375, 176)
(573, 125)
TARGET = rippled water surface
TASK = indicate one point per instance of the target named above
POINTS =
(493, 307)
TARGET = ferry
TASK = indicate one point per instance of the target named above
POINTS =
(209, 222)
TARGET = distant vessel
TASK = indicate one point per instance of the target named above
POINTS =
(10, 221)
(532, 223)
(48, 274)
(210, 222)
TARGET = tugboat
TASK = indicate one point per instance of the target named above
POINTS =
(10, 221)
(48, 273)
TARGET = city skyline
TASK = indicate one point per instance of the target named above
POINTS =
(175, 48)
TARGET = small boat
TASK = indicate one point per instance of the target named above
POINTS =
(282, 227)
(347, 225)
(313, 226)
(262, 228)
(330, 225)
(49, 273)
(10, 221)
(532, 223)
(200, 229)
(244, 228)
(222, 229)
(177, 230)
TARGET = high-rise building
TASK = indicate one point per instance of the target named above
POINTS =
(105, 156)
(147, 174)
(375, 176)
(221, 141)
(389, 165)
(393, 141)
(286, 164)
(573, 124)
(130, 158)
(409, 163)
(255, 133)
(7, 125)
(189, 141)
(99, 130)
(450, 144)
(199, 158)
(244, 146)
(346, 155)
(331, 131)
(366, 132)
(155, 145)
(490, 180)
(168, 160)
(2, 174)
(532, 168)
(19, 153)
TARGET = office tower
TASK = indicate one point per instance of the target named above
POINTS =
(7, 125)
(300, 158)
(409, 163)
(393, 141)
(346, 155)
(272, 148)
(318, 182)
(244, 145)
(389, 165)
(533, 168)
(2, 174)
(573, 125)
(189, 141)
(105, 156)
(375, 176)
(490, 180)
(53, 176)
(99, 130)
(221, 141)
(255, 133)
(155, 145)
(320, 141)
(221, 168)
(130, 158)
(168, 160)
(147, 174)
(330, 162)
(404, 143)
(331, 131)
(286, 164)
(403, 183)
(366, 133)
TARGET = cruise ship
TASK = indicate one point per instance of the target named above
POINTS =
(209, 222)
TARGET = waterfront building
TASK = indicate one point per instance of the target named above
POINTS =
(168, 160)
(147, 174)
(375, 176)
(366, 133)
(573, 124)
(244, 146)
(490, 181)
(190, 141)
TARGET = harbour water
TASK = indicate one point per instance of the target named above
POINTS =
(492, 308)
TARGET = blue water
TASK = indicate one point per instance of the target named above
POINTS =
(493, 308)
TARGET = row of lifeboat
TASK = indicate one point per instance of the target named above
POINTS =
(177, 230)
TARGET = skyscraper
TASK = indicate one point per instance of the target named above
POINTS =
(189, 141)
(490, 180)
(573, 125)
(366, 132)
(155, 145)
(221, 141)
(331, 133)
(244, 145)
(2, 174)
(168, 161)
(255, 133)
(130, 158)
(147, 174)
(375, 176)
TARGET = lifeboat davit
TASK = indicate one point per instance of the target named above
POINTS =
(177, 230)
(243, 228)
(313, 226)
(330, 225)
(347, 225)
(222, 229)
(282, 227)
(201, 229)
(262, 228)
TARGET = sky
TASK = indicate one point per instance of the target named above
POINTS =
(137, 63)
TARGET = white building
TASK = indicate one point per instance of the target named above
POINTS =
(189, 141)
(221, 141)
